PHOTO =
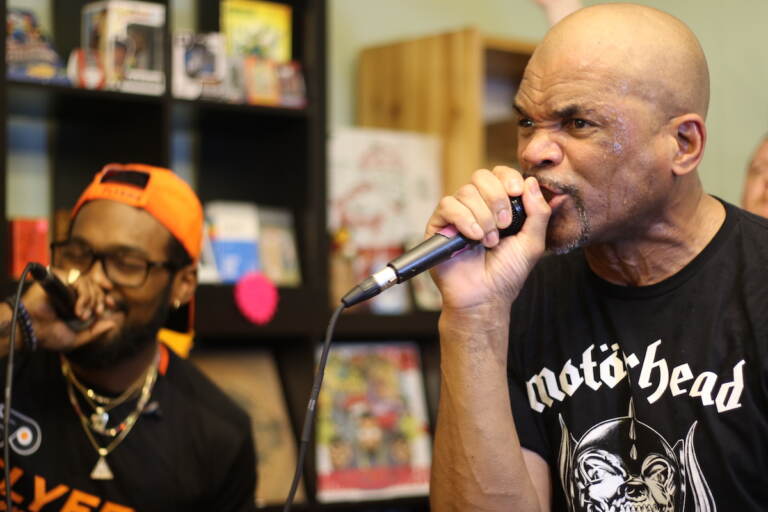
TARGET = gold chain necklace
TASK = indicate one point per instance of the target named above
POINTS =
(101, 470)
(101, 405)
(89, 393)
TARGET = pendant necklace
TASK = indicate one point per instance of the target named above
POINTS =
(102, 471)
(100, 404)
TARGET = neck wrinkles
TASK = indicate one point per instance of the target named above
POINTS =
(667, 247)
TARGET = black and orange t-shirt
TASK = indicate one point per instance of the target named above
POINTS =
(191, 449)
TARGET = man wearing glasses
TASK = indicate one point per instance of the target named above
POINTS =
(105, 418)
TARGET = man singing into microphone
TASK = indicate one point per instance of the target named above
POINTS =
(106, 418)
(631, 372)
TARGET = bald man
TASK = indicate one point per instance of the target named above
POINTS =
(630, 374)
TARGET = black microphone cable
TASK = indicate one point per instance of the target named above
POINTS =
(9, 387)
(309, 419)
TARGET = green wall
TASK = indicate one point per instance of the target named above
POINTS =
(732, 34)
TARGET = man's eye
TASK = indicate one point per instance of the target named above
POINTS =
(129, 263)
(579, 124)
(75, 254)
(525, 123)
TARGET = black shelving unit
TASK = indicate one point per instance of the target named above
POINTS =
(272, 156)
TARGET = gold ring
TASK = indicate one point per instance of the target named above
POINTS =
(73, 275)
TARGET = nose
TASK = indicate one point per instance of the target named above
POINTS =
(540, 150)
(98, 273)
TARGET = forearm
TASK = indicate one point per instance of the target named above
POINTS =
(478, 462)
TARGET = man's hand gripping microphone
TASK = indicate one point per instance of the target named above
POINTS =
(433, 251)
(61, 296)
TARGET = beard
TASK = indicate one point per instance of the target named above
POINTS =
(564, 245)
(557, 241)
(128, 342)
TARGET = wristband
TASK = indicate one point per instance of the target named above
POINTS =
(25, 323)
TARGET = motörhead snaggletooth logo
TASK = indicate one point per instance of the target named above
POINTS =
(624, 465)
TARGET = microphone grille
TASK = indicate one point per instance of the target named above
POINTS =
(518, 218)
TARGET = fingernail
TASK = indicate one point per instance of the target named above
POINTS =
(503, 217)
(492, 238)
(477, 230)
(533, 187)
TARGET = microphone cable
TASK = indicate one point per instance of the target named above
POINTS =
(9, 388)
(309, 419)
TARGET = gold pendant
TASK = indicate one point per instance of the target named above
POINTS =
(101, 470)
(99, 420)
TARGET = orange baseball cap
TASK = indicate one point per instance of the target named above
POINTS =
(159, 191)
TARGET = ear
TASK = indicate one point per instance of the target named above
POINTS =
(184, 284)
(690, 135)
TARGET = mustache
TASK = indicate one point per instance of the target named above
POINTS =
(120, 306)
(552, 185)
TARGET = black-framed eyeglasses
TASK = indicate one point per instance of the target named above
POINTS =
(123, 267)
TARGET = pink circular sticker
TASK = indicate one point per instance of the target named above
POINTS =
(256, 297)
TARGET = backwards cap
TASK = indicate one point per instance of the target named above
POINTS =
(159, 191)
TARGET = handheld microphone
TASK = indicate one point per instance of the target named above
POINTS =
(441, 246)
(61, 296)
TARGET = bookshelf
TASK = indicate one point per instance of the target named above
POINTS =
(269, 155)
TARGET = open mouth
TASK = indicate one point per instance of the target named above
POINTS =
(553, 196)
(547, 193)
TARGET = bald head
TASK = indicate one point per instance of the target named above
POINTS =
(641, 50)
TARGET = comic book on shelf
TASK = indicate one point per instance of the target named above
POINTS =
(257, 28)
(291, 85)
(244, 237)
(28, 242)
(127, 36)
(277, 246)
(29, 52)
(262, 86)
(372, 438)
(252, 381)
(234, 238)
(273, 83)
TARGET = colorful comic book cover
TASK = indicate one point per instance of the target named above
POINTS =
(29, 51)
(373, 437)
(256, 28)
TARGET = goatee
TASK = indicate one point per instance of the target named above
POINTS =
(131, 340)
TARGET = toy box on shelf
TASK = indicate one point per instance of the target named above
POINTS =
(127, 38)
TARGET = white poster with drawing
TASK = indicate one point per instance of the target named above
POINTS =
(383, 185)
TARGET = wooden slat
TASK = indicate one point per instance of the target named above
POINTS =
(463, 138)
(433, 85)
(509, 45)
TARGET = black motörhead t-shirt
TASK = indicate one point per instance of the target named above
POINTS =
(191, 450)
(649, 398)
